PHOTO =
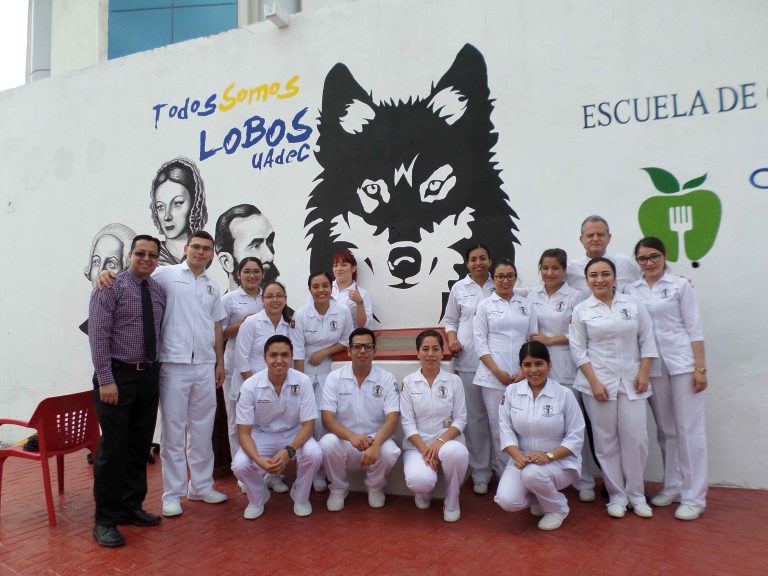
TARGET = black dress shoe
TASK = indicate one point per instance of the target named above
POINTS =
(108, 536)
(140, 518)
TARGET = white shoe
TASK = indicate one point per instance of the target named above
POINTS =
(319, 484)
(662, 499)
(688, 512)
(643, 510)
(552, 520)
(211, 497)
(422, 501)
(536, 510)
(376, 498)
(253, 512)
(335, 501)
(278, 486)
(451, 515)
(302, 508)
(616, 510)
(480, 488)
(587, 495)
(172, 509)
(242, 487)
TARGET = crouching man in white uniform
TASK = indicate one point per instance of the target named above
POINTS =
(360, 410)
(276, 414)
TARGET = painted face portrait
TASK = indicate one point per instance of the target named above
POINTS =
(109, 250)
(172, 206)
(254, 236)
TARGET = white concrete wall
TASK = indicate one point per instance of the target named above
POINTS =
(81, 151)
(78, 35)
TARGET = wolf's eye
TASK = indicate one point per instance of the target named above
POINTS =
(437, 186)
(371, 193)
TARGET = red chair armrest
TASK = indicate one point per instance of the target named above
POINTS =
(15, 422)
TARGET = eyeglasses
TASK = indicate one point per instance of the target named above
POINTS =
(201, 247)
(652, 258)
(366, 347)
(274, 297)
(141, 254)
(502, 277)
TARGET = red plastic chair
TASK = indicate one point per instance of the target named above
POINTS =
(64, 424)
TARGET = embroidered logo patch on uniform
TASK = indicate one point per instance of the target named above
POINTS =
(665, 293)
(295, 389)
(378, 391)
(334, 325)
(523, 310)
(560, 306)
(442, 391)
(209, 289)
(293, 324)
(548, 410)
(626, 314)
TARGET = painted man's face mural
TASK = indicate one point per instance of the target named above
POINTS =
(407, 186)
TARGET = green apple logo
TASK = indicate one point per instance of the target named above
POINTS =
(686, 223)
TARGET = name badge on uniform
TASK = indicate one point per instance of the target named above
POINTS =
(523, 310)
(560, 306)
(447, 422)
(442, 391)
(295, 389)
(548, 410)
(378, 391)
(334, 325)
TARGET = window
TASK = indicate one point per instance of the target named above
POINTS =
(138, 25)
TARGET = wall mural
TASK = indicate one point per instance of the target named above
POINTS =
(416, 177)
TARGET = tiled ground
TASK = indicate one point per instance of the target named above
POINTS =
(730, 539)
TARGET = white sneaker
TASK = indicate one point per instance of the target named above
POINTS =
(688, 512)
(335, 501)
(662, 499)
(278, 486)
(376, 498)
(451, 515)
(422, 501)
(616, 510)
(253, 512)
(172, 509)
(587, 495)
(643, 510)
(302, 508)
(242, 487)
(212, 497)
(319, 484)
(552, 520)
(536, 510)
(480, 488)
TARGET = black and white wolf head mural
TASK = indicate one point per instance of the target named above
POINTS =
(407, 186)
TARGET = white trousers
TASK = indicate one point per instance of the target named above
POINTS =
(621, 445)
(308, 459)
(421, 479)
(231, 406)
(339, 456)
(542, 482)
(492, 400)
(477, 431)
(188, 406)
(587, 480)
(681, 431)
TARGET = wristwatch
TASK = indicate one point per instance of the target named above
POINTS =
(291, 451)
(550, 456)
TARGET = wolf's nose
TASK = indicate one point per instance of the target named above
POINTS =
(404, 262)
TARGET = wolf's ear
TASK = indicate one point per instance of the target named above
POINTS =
(462, 87)
(345, 104)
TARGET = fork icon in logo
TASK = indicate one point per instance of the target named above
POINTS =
(680, 222)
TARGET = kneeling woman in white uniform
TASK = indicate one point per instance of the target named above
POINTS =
(276, 416)
(433, 414)
(611, 339)
(542, 430)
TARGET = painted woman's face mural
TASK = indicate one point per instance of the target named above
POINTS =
(172, 205)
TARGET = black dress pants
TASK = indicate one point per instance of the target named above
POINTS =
(127, 429)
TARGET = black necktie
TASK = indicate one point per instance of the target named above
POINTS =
(148, 320)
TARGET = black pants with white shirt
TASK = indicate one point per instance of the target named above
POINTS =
(127, 429)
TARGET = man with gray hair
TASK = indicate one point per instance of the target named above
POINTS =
(595, 237)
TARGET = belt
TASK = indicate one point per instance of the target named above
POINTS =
(138, 366)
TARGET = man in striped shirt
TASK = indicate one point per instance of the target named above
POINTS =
(124, 328)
